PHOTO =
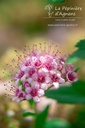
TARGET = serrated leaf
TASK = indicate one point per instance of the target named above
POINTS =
(73, 94)
(29, 114)
(41, 118)
(79, 53)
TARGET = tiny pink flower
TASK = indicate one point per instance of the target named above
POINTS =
(34, 93)
(21, 97)
(55, 77)
(27, 62)
(38, 63)
(62, 60)
(26, 84)
(19, 94)
(71, 76)
(48, 65)
(49, 62)
(31, 71)
(59, 67)
(69, 68)
(19, 74)
(41, 77)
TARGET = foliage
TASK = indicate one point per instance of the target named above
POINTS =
(75, 93)
(72, 94)
(79, 53)
(29, 114)
(57, 123)
(41, 118)
(79, 122)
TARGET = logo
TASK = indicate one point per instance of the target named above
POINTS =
(49, 10)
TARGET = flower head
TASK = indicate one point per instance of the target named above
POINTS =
(38, 71)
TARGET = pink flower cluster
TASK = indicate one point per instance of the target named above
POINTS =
(39, 72)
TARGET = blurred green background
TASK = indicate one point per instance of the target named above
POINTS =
(22, 23)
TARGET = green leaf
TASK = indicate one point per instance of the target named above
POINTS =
(23, 89)
(56, 1)
(73, 94)
(57, 123)
(79, 87)
(76, 70)
(41, 118)
(72, 59)
(29, 114)
(20, 83)
(32, 103)
(79, 53)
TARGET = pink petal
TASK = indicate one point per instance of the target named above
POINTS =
(43, 70)
(23, 78)
(40, 92)
(18, 100)
(35, 85)
(56, 84)
(48, 79)
(44, 86)
(35, 76)
(30, 80)
(23, 68)
(61, 81)
(28, 97)
(36, 99)
(14, 98)
(28, 89)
